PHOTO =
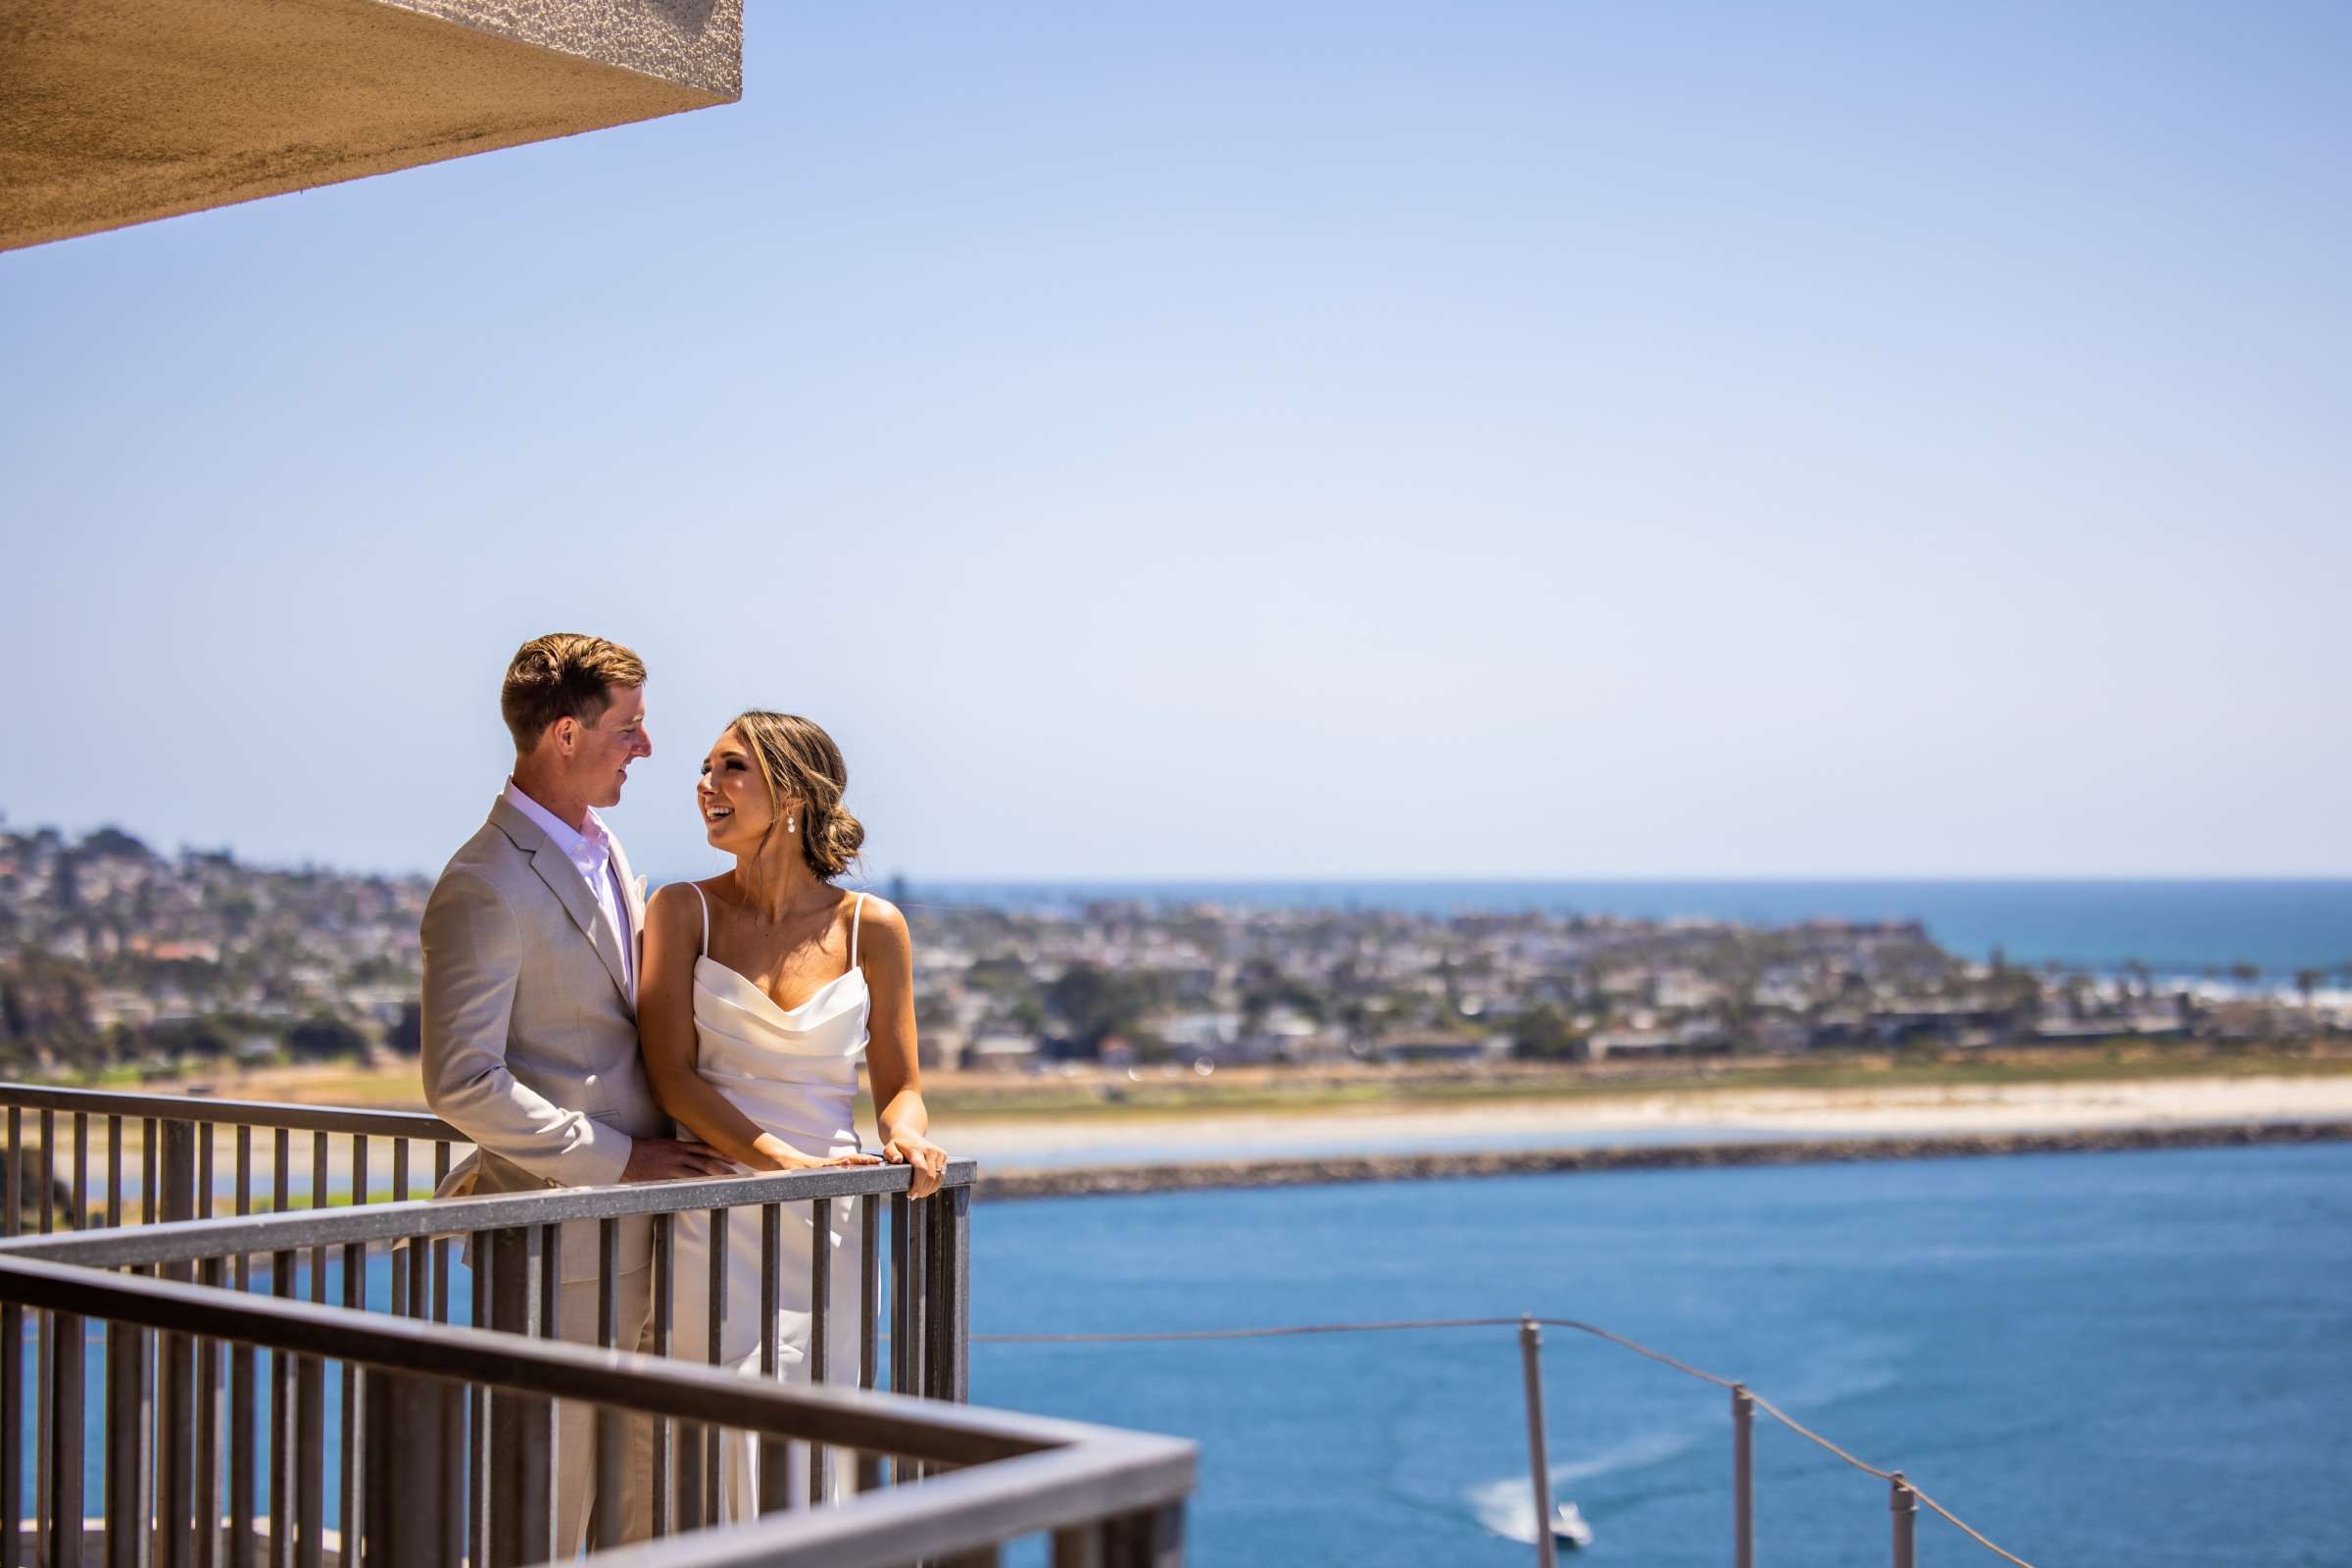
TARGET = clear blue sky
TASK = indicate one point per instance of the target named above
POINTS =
(1300, 440)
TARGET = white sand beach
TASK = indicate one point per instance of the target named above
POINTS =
(1856, 1111)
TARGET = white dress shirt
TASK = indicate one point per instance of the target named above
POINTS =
(591, 854)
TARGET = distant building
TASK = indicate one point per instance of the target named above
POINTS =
(1000, 1053)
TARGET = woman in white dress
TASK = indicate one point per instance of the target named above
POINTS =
(762, 989)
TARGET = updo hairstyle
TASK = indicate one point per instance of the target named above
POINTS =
(800, 762)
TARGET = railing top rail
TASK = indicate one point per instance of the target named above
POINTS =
(416, 1124)
(227, 1236)
(1031, 1473)
(941, 1516)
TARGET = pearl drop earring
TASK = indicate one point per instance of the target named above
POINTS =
(791, 823)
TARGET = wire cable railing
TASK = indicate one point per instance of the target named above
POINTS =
(1904, 1498)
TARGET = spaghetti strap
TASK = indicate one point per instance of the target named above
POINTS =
(857, 912)
(705, 904)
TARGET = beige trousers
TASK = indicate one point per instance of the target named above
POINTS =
(575, 1421)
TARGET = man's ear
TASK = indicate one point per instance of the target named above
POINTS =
(566, 731)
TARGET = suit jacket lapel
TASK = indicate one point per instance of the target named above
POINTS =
(571, 889)
(632, 903)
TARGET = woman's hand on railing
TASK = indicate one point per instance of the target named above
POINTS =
(774, 1154)
(927, 1160)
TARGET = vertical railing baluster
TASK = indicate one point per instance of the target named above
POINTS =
(712, 1439)
(541, 1418)
(454, 1400)
(605, 1518)
(918, 1320)
(48, 1204)
(12, 1177)
(351, 1479)
(211, 1398)
(175, 1402)
(821, 1328)
(931, 1238)
(61, 1531)
(403, 1527)
(244, 1427)
(147, 1176)
(114, 1170)
(13, 1339)
(961, 1270)
(901, 1303)
(666, 1434)
(281, 1367)
(869, 1320)
(945, 1285)
(243, 1420)
(310, 1391)
(205, 1549)
(1904, 1503)
(482, 1247)
(82, 1170)
(127, 1418)
(521, 1425)
(46, 1329)
(775, 1475)
(12, 1425)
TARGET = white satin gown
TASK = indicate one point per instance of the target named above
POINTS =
(795, 1074)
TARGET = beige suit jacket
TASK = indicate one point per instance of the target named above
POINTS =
(530, 1030)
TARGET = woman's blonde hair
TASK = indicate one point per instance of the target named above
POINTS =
(800, 762)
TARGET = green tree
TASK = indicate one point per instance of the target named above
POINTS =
(320, 1038)
(1544, 1036)
(1096, 1003)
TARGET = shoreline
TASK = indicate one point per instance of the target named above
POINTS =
(1652, 1114)
(1112, 1181)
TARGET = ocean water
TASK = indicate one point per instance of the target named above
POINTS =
(2120, 1359)
(2175, 927)
(2137, 1359)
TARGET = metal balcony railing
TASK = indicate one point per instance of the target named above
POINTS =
(198, 1156)
(383, 1253)
(971, 1479)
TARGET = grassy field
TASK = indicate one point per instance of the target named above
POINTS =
(1170, 1092)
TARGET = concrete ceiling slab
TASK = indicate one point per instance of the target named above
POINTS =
(115, 112)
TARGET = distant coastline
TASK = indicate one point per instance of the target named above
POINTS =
(1105, 1181)
(2173, 926)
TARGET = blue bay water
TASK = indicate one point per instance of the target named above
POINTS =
(2172, 926)
(2140, 1359)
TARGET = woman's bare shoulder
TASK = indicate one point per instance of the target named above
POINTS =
(674, 901)
(879, 917)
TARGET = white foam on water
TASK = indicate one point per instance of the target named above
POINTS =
(1507, 1508)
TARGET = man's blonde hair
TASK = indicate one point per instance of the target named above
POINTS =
(563, 675)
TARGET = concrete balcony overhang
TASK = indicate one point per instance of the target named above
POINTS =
(115, 112)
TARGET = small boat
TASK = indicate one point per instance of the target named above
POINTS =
(1568, 1528)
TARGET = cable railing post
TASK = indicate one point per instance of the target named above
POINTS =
(1531, 1362)
(1906, 1504)
(1744, 1482)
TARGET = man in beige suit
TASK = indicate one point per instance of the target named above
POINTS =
(531, 952)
